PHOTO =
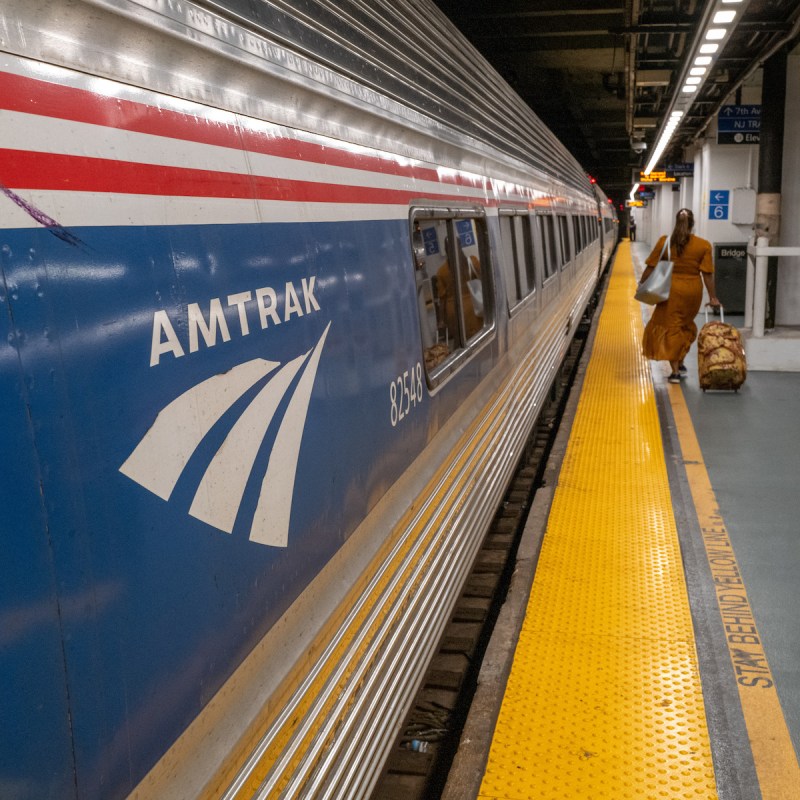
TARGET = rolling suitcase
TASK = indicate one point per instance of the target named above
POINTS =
(721, 361)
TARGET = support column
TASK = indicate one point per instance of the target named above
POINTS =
(770, 165)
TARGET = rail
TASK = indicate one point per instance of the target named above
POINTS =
(755, 307)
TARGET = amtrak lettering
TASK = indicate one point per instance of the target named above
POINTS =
(272, 309)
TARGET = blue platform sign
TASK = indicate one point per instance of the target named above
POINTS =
(431, 241)
(681, 170)
(719, 203)
(466, 233)
(739, 124)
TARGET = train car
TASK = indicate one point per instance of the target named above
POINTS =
(609, 223)
(284, 286)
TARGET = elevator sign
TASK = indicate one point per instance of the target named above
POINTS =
(739, 125)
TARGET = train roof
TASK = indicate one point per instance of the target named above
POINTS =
(410, 52)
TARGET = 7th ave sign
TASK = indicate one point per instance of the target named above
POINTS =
(739, 124)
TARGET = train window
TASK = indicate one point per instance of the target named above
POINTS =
(563, 232)
(518, 265)
(546, 225)
(454, 292)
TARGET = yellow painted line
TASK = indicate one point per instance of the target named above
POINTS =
(604, 699)
(775, 760)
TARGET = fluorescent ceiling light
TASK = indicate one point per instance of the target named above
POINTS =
(673, 122)
(703, 55)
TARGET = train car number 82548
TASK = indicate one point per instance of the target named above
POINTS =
(405, 391)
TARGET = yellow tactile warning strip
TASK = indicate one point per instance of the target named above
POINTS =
(773, 754)
(604, 698)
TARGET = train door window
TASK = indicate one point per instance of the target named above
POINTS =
(529, 276)
(546, 224)
(510, 271)
(576, 231)
(515, 230)
(563, 232)
(454, 288)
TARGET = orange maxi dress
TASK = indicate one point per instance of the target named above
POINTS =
(671, 330)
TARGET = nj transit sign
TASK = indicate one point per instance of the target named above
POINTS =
(739, 125)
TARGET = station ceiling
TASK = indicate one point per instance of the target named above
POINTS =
(602, 74)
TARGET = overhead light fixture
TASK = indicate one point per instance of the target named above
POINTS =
(712, 36)
(672, 123)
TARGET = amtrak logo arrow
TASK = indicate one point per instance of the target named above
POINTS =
(161, 456)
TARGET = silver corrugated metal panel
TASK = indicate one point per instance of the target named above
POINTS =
(409, 51)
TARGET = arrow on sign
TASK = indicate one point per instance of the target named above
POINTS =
(719, 197)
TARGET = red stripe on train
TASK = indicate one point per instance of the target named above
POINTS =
(32, 96)
(23, 169)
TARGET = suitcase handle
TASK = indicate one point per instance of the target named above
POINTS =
(721, 312)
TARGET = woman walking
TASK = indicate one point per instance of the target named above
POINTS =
(671, 330)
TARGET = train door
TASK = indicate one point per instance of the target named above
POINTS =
(519, 261)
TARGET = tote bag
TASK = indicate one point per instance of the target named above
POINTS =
(476, 290)
(656, 288)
